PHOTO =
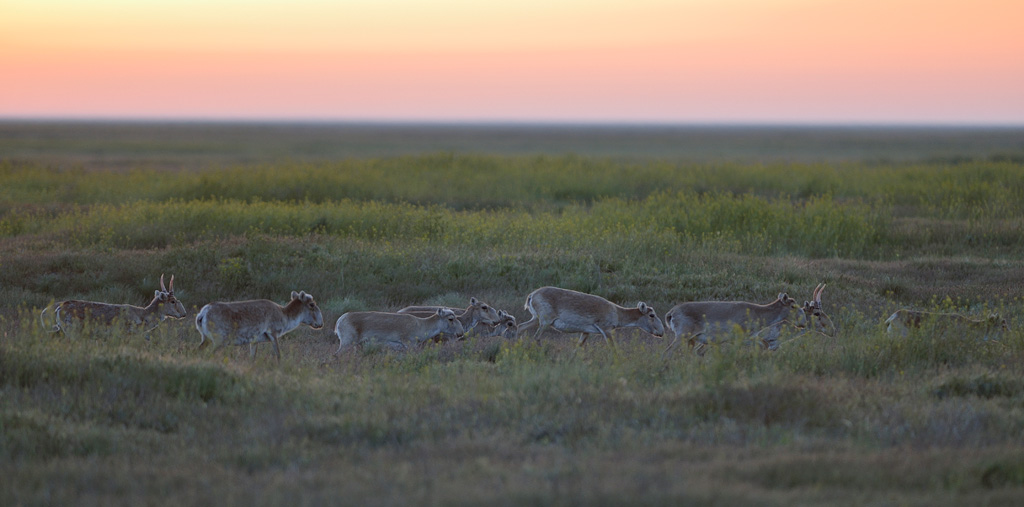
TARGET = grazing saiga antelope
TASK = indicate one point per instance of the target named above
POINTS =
(569, 311)
(902, 321)
(396, 331)
(697, 320)
(251, 322)
(164, 304)
(477, 313)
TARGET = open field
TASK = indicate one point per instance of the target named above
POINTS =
(176, 145)
(371, 220)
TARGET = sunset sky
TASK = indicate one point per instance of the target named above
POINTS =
(683, 61)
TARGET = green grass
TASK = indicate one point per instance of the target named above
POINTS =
(977, 189)
(862, 418)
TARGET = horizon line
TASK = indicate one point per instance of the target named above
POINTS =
(500, 122)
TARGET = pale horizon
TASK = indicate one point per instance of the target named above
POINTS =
(511, 123)
(575, 62)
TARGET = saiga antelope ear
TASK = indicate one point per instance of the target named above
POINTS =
(473, 301)
(642, 306)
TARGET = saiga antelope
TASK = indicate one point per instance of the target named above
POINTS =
(477, 313)
(506, 326)
(569, 311)
(902, 321)
(697, 320)
(164, 304)
(394, 330)
(251, 322)
(816, 316)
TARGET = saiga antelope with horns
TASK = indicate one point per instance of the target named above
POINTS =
(570, 311)
(816, 316)
(68, 314)
(251, 322)
(697, 321)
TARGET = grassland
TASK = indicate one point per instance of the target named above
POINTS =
(930, 220)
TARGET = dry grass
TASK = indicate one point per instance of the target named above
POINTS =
(116, 419)
(859, 419)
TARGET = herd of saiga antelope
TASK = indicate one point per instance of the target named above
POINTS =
(567, 311)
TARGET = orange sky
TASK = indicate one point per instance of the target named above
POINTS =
(782, 61)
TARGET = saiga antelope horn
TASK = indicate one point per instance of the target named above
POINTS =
(162, 283)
